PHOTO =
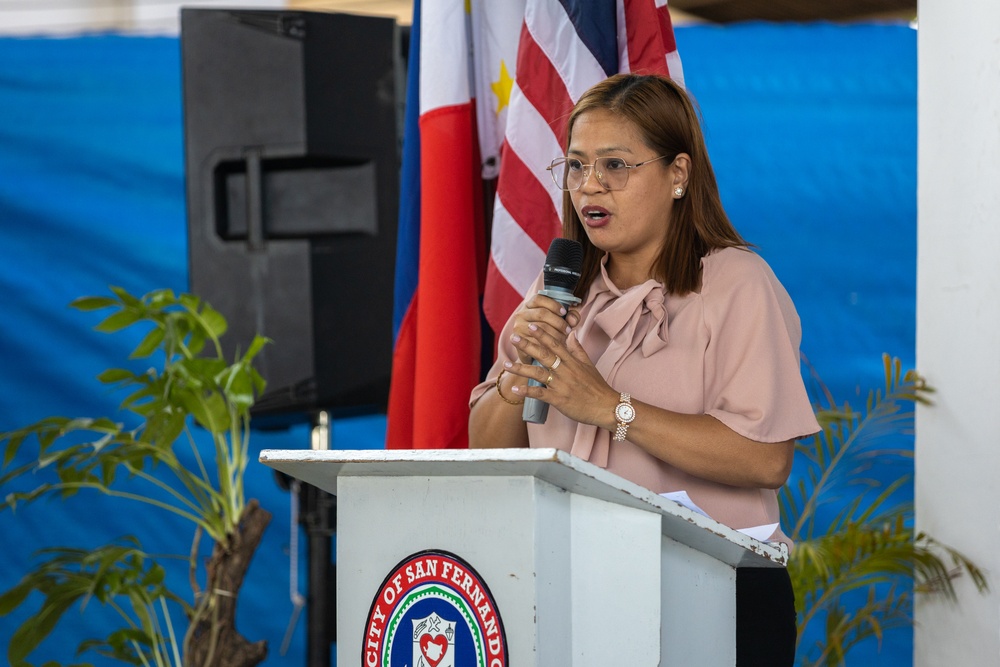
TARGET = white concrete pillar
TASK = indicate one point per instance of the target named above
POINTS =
(958, 318)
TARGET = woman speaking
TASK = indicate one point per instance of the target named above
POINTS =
(679, 368)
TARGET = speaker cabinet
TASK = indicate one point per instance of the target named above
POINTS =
(292, 131)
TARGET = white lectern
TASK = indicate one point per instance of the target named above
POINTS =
(521, 557)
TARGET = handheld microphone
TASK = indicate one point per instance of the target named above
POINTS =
(560, 275)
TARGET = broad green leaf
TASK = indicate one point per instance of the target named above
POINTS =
(31, 633)
(113, 375)
(189, 301)
(125, 297)
(258, 381)
(87, 303)
(118, 321)
(161, 298)
(155, 576)
(209, 411)
(13, 445)
(214, 321)
(196, 343)
(13, 598)
(164, 427)
(256, 345)
(149, 344)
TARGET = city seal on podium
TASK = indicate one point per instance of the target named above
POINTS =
(434, 610)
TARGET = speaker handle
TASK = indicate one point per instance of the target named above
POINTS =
(255, 200)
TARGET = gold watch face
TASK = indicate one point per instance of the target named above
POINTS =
(625, 413)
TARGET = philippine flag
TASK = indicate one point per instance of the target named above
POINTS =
(441, 250)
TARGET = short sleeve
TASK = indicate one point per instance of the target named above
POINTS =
(753, 381)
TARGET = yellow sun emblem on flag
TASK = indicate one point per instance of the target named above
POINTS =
(502, 87)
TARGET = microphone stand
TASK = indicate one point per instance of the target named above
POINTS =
(319, 518)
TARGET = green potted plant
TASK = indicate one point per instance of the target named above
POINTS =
(192, 384)
(868, 546)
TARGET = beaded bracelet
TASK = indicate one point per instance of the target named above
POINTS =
(507, 400)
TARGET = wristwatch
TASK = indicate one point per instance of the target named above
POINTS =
(624, 414)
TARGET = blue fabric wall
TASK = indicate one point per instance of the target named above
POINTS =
(812, 130)
(813, 133)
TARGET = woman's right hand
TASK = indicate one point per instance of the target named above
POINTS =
(546, 314)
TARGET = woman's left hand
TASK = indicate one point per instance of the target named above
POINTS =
(572, 384)
(698, 444)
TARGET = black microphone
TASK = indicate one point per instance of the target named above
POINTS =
(560, 275)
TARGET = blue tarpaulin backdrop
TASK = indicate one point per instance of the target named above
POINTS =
(812, 130)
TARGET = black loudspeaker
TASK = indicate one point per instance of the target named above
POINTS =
(291, 123)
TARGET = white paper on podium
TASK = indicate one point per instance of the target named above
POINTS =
(682, 498)
(760, 533)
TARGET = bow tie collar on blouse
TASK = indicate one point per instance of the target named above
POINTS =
(635, 319)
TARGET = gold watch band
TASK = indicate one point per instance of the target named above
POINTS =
(624, 415)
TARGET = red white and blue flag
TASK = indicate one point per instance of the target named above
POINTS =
(564, 47)
(496, 83)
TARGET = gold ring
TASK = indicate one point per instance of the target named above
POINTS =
(555, 364)
(548, 380)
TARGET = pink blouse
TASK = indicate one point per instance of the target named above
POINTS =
(730, 351)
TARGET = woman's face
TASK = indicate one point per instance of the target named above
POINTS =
(631, 222)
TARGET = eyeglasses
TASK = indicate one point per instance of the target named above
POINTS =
(570, 173)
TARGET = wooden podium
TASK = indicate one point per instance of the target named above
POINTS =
(521, 557)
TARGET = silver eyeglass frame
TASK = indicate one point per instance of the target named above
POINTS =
(588, 168)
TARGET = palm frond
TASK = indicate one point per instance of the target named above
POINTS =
(868, 545)
(110, 574)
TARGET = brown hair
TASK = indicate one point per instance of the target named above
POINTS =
(667, 121)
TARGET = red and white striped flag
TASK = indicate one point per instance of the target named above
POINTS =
(562, 48)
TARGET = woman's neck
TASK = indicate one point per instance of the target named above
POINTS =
(626, 272)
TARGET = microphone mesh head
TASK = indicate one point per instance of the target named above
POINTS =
(563, 264)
